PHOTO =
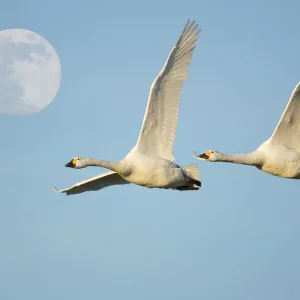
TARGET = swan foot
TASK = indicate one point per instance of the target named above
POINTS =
(195, 182)
(187, 188)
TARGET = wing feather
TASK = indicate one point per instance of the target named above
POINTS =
(287, 131)
(158, 132)
(94, 184)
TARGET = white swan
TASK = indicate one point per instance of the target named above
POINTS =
(280, 154)
(151, 162)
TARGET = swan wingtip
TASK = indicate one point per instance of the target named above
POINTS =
(54, 188)
(195, 154)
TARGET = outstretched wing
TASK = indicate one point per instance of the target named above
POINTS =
(94, 184)
(287, 131)
(158, 131)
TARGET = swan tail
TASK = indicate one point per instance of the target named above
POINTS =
(193, 173)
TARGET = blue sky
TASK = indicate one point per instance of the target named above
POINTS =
(236, 238)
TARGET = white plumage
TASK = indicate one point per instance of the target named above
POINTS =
(151, 162)
(95, 183)
(280, 154)
(158, 132)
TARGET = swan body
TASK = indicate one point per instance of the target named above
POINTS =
(283, 162)
(150, 163)
(280, 154)
(153, 171)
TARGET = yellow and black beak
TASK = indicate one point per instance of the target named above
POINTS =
(71, 164)
(204, 156)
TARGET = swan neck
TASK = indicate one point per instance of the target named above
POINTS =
(111, 165)
(244, 159)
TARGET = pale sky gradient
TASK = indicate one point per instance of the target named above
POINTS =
(235, 239)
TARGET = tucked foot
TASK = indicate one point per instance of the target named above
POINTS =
(187, 188)
(195, 182)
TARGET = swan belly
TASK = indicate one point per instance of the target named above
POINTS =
(156, 173)
(285, 170)
(157, 179)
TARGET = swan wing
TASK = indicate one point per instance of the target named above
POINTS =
(94, 184)
(287, 131)
(158, 132)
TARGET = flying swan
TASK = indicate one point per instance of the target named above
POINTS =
(151, 161)
(280, 154)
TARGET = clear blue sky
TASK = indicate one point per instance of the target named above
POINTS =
(235, 239)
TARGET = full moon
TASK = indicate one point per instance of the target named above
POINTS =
(30, 72)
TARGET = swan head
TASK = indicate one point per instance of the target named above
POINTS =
(211, 155)
(76, 162)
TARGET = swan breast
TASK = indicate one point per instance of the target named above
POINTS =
(281, 161)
